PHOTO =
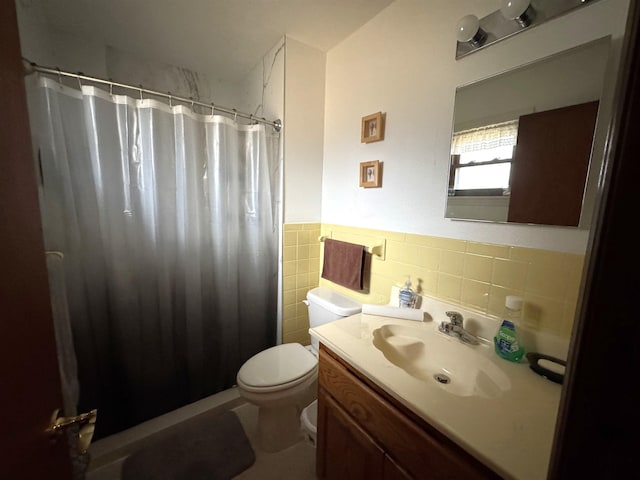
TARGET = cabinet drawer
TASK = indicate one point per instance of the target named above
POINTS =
(420, 453)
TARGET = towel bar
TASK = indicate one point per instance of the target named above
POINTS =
(377, 250)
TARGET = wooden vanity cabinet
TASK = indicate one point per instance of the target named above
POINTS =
(363, 434)
(353, 452)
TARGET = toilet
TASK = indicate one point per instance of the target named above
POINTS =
(326, 305)
(282, 380)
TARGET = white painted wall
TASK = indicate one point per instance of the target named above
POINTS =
(52, 48)
(303, 132)
(46, 46)
(403, 63)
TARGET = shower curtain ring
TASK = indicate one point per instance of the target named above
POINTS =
(170, 99)
(140, 86)
(59, 75)
(213, 107)
(110, 87)
(235, 115)
(79, 81)
(191, 98)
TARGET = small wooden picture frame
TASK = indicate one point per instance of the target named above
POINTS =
(372, 128)
(370, 174)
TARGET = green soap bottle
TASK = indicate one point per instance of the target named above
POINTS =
(507, 342)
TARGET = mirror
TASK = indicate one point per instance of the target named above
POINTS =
(522, 140)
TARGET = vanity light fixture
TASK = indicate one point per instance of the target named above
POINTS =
(519, 10)
(468, 30)
(474, 34)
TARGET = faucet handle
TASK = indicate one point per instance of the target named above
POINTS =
(455, 318)
(445, 327)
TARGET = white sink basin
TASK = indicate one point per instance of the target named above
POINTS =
(430, 356)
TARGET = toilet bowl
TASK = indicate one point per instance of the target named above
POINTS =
(309, 422)
(282, 380)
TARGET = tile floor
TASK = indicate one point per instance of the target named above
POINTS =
(294, 463)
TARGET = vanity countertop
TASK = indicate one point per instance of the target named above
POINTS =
(511, 433)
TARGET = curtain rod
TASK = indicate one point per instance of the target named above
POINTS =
(31, 67)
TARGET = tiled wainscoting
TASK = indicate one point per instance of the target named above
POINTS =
(300, 273)
(475, 275)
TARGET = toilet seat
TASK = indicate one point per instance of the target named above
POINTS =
(277, 368)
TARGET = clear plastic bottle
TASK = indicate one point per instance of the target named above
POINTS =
(407, 297)
(507, 340)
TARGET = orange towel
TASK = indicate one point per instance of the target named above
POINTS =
(343, 263)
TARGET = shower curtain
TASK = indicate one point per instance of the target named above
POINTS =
(168, 222)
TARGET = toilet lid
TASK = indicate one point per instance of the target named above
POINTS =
(277, 365)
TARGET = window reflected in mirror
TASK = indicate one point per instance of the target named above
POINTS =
(481, 159)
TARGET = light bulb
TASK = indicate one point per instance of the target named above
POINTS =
(468, 30)
(519, 10)
(512, 9)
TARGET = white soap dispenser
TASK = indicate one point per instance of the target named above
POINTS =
(407, 297)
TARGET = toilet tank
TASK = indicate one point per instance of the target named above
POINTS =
(326, 306)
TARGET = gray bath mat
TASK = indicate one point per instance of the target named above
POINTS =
(203, 448)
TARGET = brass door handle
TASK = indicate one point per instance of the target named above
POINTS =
(59, 424)
(84, 424)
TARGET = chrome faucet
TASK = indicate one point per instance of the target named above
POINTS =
(454, 328)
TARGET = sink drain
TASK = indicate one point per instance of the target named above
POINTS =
(442, 378)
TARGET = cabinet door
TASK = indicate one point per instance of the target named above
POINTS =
(344, 450)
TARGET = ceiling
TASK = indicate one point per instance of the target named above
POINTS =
(223, 39)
